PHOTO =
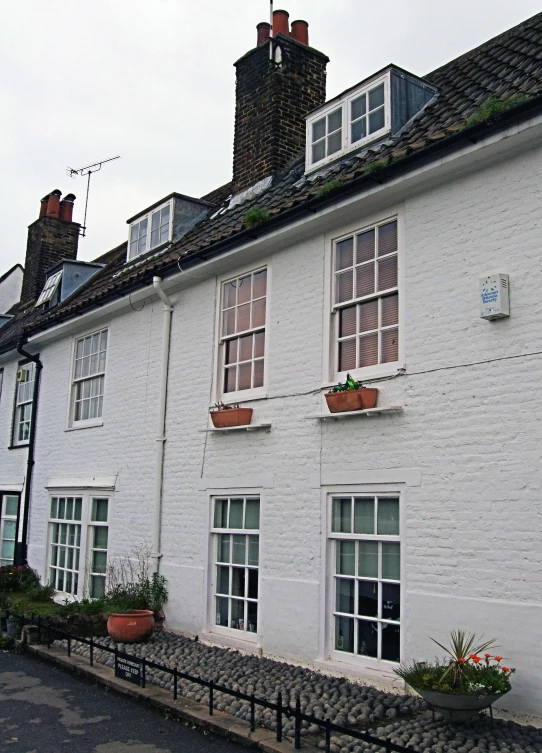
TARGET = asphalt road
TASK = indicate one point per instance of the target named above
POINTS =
(44, 709)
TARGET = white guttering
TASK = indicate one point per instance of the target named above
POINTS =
(161, 428)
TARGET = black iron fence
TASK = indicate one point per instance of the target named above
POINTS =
(134, 669)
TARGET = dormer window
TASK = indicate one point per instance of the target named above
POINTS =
(362, 116)
(379, 107)
(51, 286)
(150, 231)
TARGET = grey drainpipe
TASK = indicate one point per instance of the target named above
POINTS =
(21, 546)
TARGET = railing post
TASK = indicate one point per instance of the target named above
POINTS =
(175, 680)
(211, 697)
(69, 645)
(328, 735)
(252, 713)
(279, 717)
(143, 678)
(297, 734)
(39, 628)
(115, 653)
(91, 652)
(49, 633)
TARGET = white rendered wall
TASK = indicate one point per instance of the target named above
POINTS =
(469, 434)
(10, 290)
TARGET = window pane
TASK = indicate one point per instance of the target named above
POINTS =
(245, 348)
(376, 97)
(237, 614)
(388, 517)
(99, 562)
(367, 638)
(238, 581)
(231, 351)
(345, 286)
(344, 634)
(346, 558)
(259, 345)
(239, 549)
(10, 505)
(230, 376)
(99, 510)
(243, 317)
(223, 548)
(347, 355)
(390, 346)
(54, 507)
(222, 611)
(359, 130)
(387, 238)
(390, 310)
(77, 509)
(259, 284)
(252, 609)
(344, 255)
(228, 322)
(365, 279)
(252, 514)
(376, 120)
(8, 550)
(319, 129)
(342, 513)
(245, 376)
(368, 350)
(236, 513)
(365, 246)
(368, 315)
(258, 373)
(387, 273)
(334, 142)
(252, 584)
(230, 294)
(391, 635)
(244, 289)
(345, 595)
(391, 561)
(100, 537)
(222, 579)
(253, 551)
(368, 559)
(334, 120)
(368, 598)
(364, 517)
(258, 313)
(221, 513)
(318, 151)
(347, 321)
(391, 601)
(97, 587)
(358, 107)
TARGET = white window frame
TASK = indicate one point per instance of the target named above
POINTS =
(345, 105)
(148, 216)
(331, 374)
(50, 288)
(253, 393)
(21, 405)
(4, 517)
(98, 420)
(236, 635)
(87, 526)
(329, 653)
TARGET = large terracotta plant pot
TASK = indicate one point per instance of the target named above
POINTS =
(343, 402)
(132, 627)
(457, 708)
(222, 419)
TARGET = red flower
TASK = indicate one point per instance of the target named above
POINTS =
(462, 660)
(476, 659)
(488, 656)
(498, 658)
(506, 669)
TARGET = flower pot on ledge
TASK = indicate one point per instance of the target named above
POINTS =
(363, 398)
(132, 627)
(223, 419)
(455, 707)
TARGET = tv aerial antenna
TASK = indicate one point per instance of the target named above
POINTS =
(88, 170)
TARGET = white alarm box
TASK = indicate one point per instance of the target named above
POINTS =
(494, 296)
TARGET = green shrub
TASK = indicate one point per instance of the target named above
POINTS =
(255, 217)
(331, 185)
(492, 108)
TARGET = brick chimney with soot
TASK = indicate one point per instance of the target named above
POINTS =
(275, 90)
(51, 238)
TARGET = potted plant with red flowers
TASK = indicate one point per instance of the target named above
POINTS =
(350, 396)
(226, 416)
(464, 683)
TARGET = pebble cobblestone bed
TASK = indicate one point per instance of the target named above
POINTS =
(402, 719)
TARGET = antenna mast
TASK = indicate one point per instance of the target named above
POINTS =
(88, 170)
(271, 32)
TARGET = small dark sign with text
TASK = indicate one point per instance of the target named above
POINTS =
(128, 669)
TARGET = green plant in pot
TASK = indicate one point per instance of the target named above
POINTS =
(469, 680)
(351, 396)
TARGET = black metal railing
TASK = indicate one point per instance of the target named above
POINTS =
(279, 708)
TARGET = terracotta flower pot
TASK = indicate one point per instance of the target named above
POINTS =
(343, 402)
(231, 417)
(455, 707)
(132, 627)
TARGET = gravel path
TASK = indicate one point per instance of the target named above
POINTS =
(401, 718)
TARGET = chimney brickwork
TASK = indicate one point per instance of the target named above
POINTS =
(50, 240)
(271, 104)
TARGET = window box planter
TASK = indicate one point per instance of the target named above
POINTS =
(457, 708)
(231, 417)
(363, 398)
(133, 627)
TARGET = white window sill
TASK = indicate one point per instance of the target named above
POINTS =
(85, 425)
(367, 413)
(216, 636)
(375, 671)
(246, 427)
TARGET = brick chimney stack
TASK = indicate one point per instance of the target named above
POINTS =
(275, 90)
(51, 238)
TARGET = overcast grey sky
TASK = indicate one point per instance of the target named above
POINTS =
(153, 81)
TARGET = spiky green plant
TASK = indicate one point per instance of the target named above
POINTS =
(255, 217)
(462, 647)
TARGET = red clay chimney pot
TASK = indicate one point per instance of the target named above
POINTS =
(66, 208)
(53, 204)
(264, 32)
(300, 31)
(280, 22)
(43, 206)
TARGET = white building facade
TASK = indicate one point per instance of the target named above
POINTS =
(341, 543)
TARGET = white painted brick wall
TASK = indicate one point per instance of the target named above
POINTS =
(472, 536)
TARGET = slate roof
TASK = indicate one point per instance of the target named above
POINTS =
(508, 66)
